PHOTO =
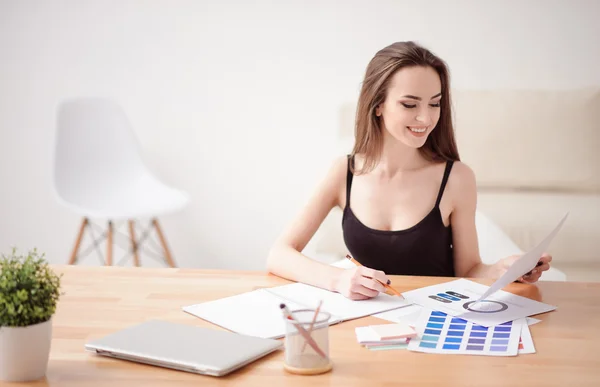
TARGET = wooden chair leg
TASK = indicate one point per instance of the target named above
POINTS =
(73, 258)
(163, 242)
(109, 244)
(134, 245)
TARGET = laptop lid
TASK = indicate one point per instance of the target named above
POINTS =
(184, 347)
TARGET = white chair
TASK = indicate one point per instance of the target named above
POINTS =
(328, 245)
(99, 173)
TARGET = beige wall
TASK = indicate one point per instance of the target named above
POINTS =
(239, 102)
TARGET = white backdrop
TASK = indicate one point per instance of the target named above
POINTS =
(239, 102)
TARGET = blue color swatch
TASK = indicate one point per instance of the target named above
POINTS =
(451, 334)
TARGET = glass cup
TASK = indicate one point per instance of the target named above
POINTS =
(304, 356)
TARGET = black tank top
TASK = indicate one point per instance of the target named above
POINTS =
(424, 249)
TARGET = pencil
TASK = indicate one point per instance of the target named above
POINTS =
(391, 289)
(312, 323)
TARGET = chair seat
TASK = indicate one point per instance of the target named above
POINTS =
(143, 196)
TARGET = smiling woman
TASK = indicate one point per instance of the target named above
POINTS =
(408, 202)
(405, 111)
(408, 87)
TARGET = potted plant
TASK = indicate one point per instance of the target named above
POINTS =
(29, 292)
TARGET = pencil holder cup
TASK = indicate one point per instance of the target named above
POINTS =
(307, 342)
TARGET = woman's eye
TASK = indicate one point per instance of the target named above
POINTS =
(437, 104)
(408, 106)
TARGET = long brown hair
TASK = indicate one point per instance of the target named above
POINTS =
(368, 131)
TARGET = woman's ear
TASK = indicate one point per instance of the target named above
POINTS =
(378, 110)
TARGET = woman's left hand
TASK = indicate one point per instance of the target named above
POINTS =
(535, 274)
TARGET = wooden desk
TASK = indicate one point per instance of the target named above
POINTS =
(101, 300)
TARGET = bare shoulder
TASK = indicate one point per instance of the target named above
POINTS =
(462, 175)
(335, 181)
(339, 166)
(462, 185)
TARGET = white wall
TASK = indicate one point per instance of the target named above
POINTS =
(239, 102)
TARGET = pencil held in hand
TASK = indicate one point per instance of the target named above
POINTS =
(388, 287)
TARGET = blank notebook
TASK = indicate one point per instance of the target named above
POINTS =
(257, 313)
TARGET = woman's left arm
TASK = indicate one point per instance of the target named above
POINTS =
(467, 261)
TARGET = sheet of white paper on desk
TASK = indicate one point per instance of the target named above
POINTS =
(532, 321)
(457, 298)
(254, 313)
(524, 264)
(335, 303)
(410, 314)
(257, 313)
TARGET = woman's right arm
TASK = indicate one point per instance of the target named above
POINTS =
(286, 260)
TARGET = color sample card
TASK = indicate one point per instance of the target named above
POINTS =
(439, 332)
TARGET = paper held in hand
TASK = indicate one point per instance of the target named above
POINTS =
(524, 264)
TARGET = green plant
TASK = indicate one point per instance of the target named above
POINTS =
(29, 289)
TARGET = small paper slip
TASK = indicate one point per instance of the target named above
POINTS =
(393, 331)
(367, 337)
(526, 341)
(524, 264)
(257, 313)
(387, 347)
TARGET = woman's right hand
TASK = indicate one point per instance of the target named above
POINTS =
(360, 283)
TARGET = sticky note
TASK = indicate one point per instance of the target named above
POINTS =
(393, 331)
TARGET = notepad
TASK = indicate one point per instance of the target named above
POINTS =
(257, 313)
(393, 331)
(367, 337)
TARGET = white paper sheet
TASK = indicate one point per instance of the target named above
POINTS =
(410, 314)
(524, 264)
(257, 313)
(532, 321)
(335, 303)
(457, 298)
(254, 313)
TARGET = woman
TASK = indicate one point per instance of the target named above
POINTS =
(409, 203)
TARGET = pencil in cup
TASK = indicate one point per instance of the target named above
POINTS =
(312, 324)
(388, 287)
(303, 331)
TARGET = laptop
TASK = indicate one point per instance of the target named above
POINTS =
(183, 347)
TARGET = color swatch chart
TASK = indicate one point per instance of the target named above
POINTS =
(441, 333)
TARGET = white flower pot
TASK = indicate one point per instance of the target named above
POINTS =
(24, 352)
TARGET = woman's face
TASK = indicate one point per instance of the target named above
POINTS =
(412, 105)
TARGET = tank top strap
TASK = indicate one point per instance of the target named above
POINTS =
(349, 176)
(449, 164)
